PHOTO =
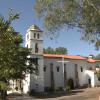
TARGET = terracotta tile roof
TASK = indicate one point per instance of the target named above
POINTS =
(92, 60)
(97, 60)
(63, 56)
(70, 57)
(75, 57)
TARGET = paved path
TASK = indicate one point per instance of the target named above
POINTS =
(81, 94)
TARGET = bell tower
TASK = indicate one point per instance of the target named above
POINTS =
(34, 41)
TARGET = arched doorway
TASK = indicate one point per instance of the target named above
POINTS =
(71, 83)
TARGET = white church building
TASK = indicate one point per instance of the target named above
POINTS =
(57, 71)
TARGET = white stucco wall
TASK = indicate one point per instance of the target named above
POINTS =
(26, 84)
(70, 71)
(81, 74)
(90, 74)
(35, 82)
(58, 76)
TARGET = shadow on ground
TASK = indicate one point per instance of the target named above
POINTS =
(57, 94)
(46, 95)
(14, 95)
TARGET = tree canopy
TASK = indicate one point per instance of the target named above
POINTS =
(97, 57)
(84, 14)
(58, 50)
(13, 56)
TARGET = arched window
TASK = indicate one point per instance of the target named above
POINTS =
(57, 68)
(81, 69)
(27, 36)
(34, 35)
(44, 68)
(38, 35)
(64, 67)
(36, 48)
(51, 66)
(27, 45)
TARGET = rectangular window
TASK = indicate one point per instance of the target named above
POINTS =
(34, 35)
(64, 67)
(36, 48)
(38, 35)
(81, 69)
(44, 68)
(36, 61)
(98, 78)
(35, 65)
(27, 45)
(57, 68)
(27, 36)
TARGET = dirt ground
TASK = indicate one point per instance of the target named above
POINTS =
(84, 94)
(79, 94)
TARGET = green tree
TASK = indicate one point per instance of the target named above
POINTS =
(59, 50)
(84, 14)
(13, 56)
(49, 50)
(97, 57)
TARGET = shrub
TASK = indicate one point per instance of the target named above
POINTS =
(67, 88)
(59, 89)
(31, 92)
(49, 89)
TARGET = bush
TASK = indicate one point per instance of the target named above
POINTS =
(59, 89)
(67, 88)
(3, 85)
(31, 92)
(49, 89)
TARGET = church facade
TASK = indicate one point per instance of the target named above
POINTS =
(57, 71)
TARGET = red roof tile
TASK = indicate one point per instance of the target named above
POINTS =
(63, 56)
(69, 57)
(92, 60)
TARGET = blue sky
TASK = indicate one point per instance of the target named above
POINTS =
(70, 39)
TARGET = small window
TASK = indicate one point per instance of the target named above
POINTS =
(57, 68)
(90, 68)
(36, 65)
(81, 69)
(34, 35)
(44, 68)
(76, 65)
(64, 67)
(36, 48)
(51, 64)
(27, 36)
(38, 35)
(27, 45)
(98, 78)
(97, 66)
